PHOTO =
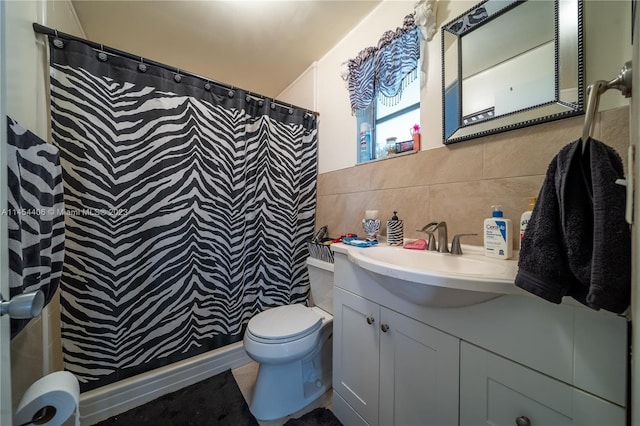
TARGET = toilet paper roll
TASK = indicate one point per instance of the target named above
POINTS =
(59, 390)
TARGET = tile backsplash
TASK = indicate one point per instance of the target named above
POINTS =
(458, 183)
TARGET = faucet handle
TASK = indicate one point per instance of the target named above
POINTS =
(429, 228)
(455, 244)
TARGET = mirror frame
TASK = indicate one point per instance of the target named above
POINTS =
(534, 114)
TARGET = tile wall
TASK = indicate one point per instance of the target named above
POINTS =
(30, 359)
(458, 183)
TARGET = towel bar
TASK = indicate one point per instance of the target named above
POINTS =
(622, 83)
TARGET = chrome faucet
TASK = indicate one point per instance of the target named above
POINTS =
(441, 228)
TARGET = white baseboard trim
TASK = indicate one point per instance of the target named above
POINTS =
(100, 404)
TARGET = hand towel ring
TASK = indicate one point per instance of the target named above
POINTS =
(622, 82)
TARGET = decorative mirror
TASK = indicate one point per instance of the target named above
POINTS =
(510, 63)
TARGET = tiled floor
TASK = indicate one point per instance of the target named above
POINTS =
(246, 378)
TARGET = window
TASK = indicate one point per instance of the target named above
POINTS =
(389, 122)
(384, 91)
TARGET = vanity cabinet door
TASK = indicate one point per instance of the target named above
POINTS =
(419, 371)
(356, 361)
(496, 391)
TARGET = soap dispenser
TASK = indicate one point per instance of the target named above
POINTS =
(524, 218)
(395, 235)
(497, 235)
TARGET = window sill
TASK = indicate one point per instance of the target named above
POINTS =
(388, 157)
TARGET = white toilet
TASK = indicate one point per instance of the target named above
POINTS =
(293, 346)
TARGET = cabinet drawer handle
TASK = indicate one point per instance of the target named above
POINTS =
(370, 320)
(523, 421)
(384, 327)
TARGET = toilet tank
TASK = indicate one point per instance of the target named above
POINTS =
(321, 280)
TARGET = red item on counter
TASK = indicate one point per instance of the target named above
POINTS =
(416, 245)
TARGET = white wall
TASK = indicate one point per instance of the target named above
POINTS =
(6, 413)
(607, 46)
(302, 92)
(36, 351)
(27, 60)
(24, 67)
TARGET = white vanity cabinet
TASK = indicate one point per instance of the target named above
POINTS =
(498, 392)
(393, 370)
(356, 349)
(515, 358)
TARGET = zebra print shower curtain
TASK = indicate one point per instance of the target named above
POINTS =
(187, 209)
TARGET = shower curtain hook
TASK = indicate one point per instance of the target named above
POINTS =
(141, 66)
(101, 55)
(56, 41)
(177, 77)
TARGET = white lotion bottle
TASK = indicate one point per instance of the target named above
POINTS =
(524, 218)
(498, 241)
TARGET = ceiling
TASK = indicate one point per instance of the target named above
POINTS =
(260, 46)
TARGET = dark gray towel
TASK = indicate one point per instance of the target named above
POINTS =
(577, 242)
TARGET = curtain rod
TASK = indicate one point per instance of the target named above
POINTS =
(41, 29)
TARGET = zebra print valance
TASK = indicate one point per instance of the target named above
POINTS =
(193, 206)
(386, 69)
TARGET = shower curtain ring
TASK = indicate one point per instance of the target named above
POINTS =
(141, 66)
(56, 41)
(177, 77)
(101, 55)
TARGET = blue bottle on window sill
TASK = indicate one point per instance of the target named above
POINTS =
(365, 143)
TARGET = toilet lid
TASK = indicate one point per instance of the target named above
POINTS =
(284, 322)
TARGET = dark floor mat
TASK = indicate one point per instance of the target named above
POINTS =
(318, 417)
(214, 401)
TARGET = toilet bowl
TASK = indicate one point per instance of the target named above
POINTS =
(293, 346)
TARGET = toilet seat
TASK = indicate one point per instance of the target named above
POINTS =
(283, 324)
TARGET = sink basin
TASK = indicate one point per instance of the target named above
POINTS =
(437, 279)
